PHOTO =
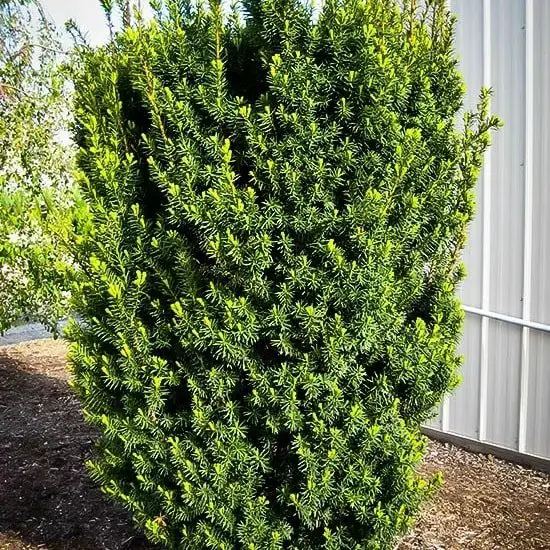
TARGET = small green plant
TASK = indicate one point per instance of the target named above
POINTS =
(279, 198)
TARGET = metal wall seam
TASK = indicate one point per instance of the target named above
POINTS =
(486, 269)
(528, 226)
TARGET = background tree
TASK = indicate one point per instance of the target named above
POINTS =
(126, 10)
(279, 204)
(38, 201)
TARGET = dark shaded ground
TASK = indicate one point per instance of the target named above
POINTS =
(46, 498)
(48, 502)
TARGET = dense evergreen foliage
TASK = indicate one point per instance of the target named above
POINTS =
(279, 200)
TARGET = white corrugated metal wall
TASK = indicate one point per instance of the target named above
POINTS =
(504, 398)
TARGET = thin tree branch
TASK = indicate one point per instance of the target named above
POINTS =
(3, 86)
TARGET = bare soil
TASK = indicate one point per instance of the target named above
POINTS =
(48, 502)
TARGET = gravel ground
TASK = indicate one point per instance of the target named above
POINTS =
(23, 333)
(28, 332)
(47, 501)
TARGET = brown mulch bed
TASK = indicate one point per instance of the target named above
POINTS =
(484, 504)
(48, 502)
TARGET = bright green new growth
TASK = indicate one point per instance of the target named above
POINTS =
(279, 207)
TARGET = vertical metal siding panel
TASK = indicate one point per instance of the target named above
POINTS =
(527, 224)
(504, 340)
(464, 403)
(538, 407)
(508, 81)
(540, 288)
(486, 269)
(503, 384)
(469, 46)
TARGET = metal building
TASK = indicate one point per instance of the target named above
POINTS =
(504, 399)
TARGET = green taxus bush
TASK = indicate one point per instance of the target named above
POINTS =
(279, 200)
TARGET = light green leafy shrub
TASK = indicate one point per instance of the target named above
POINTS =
(40, 209)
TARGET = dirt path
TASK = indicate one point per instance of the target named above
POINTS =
(47, 501)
